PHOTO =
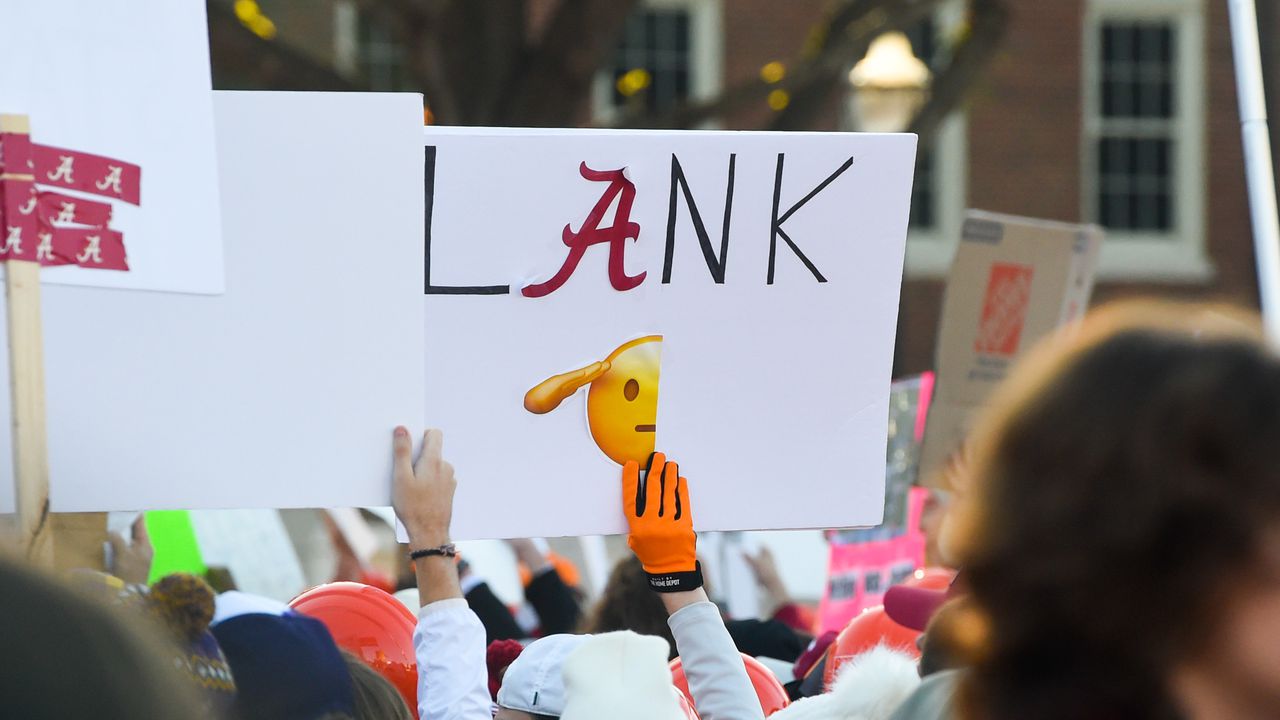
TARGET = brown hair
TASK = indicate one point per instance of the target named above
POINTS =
(628, 603)
(375, 697)
(1123, 479)
(65, 655)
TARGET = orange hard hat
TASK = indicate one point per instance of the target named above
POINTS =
(562, 565)
(773, 697)
(870, 628)
(371, 625)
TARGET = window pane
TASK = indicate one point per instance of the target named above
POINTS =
(1135, 183)
(658, 42)
(1136, 69)
(924, 193)
(923, 197)
(380, 55)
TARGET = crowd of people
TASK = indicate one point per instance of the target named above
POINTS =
(1114, 540)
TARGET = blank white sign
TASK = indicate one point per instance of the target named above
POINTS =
(282, 392)
(129, 80)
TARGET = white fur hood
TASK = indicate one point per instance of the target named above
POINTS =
(869, 687)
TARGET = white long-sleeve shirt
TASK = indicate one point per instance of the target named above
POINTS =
(453, 682)
(717, 678)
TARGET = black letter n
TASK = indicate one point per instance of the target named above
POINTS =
(714, 264)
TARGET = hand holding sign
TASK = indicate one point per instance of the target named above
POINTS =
(658, 514)
(423, 492)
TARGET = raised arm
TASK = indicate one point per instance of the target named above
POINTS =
(449, 640)
(661, 523)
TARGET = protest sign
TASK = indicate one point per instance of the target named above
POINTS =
(754, 276)
(761, 271)
(254, 547)
(283, 391)
(859, 573)
(1013, 281)
(174, 540)
(125, 172)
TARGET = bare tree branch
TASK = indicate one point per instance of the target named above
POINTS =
(833, 45)
(557, 73)
(860, 22)
(988, 22)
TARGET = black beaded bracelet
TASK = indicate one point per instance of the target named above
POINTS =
(447, 550)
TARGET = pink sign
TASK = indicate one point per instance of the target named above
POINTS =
(858, 574)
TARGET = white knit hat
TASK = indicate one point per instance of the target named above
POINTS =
(620, 676)
(534, 683)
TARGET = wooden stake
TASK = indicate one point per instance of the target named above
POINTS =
(26, 383)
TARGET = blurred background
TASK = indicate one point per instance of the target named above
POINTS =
(1117, 112)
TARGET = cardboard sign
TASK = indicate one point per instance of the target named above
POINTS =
(283, 392)
(119, 95)
(1014, 280)
(727, 298)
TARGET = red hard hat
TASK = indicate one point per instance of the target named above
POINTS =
(870, 628)
(686, 705)
(371, 625)
(773, 697)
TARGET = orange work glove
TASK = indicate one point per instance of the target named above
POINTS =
(658, 514)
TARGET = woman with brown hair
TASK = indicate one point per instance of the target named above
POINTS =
(1122, 536)
(627, 604)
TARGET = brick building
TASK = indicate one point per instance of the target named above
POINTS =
(1121, 112)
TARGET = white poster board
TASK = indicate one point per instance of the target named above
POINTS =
(254, 546)
(283, 392)
(774, 360)
(130, 81)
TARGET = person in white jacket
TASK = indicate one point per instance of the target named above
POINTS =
(450, 641)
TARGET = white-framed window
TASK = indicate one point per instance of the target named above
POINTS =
(1143, 145)
(673, 50)
(939, 192)
(366, 49)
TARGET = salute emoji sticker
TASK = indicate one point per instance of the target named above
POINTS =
(622, 404)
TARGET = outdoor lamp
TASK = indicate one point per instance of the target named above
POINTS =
(889, 85)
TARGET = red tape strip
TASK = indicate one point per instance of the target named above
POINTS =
(56, 208)
(17, 241)
(88, 173)
(33, 222)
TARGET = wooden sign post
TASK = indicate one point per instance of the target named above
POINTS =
(26, 386)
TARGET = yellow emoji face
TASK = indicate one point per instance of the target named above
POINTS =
(622, 404)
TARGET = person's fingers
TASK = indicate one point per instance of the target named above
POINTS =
(652, 487)
(667, 489)
(402, 453)
(632, 502)
(682, 501)
(118, 550)
(432, 456)
(118, 543)
(141, 537)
